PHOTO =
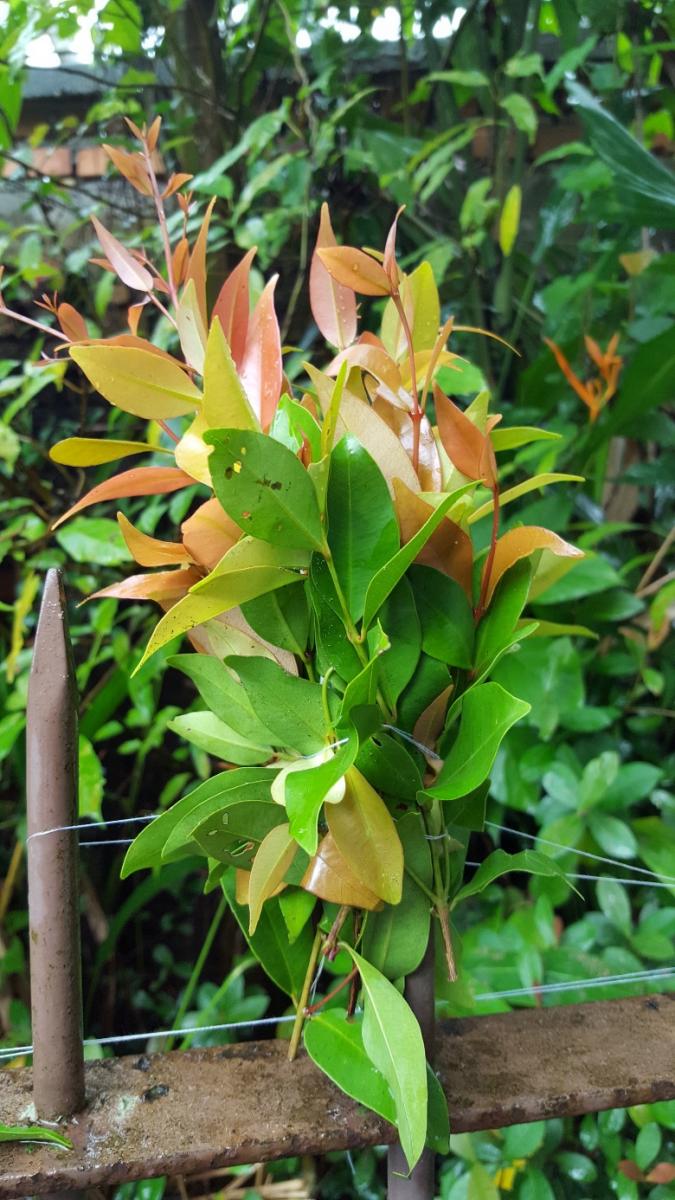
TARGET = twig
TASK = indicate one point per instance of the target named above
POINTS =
(304, 996)
(656, 561)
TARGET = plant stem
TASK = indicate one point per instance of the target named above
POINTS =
(198, 967)
(302, 1002)
(161, 217)
(416, 411)
(334, 992)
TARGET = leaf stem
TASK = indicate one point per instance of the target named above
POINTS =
(416, 411)
(304, 995)
(334, 992)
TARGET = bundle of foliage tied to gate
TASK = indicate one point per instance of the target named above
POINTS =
(343, 622)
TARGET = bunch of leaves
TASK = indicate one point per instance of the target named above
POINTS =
(344, 622)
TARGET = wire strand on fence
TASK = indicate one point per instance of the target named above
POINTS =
(613, 862)
(89, 825)
(598, 981)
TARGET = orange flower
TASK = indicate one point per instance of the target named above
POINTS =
(596, 392)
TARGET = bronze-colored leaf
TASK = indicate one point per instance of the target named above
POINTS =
(329, 877)
(232, 306)
(366, 837)
(469, 450)
(209, 533)
(150, 551)
(449, 549)
(333, 305)
(519, 543)
(355, 269)
(161, 586)
(429, 469)
(140, 481)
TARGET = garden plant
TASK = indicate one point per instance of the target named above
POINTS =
(344, 624)
(541, 208)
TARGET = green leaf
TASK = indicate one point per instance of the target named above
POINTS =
(389, 767)
(296, 906)
(430, 679)
(293, 425)
(614, 836)
(93, 540)
(273, 859)
(647, 1145)
(393, 1042)
(513, 437)
(209, 733)
(469, 78)
(281, 618)
(523, 65)
(615, 904)
(496, 627)
(335, 1043)
(146, 850)
(384, 582)
(488, 712)
(283, 961)
(362, 528)
(399, 620)
(305, 791)
(445, 616)
(233, 833)
(333, 646)
(90, 780)
(291, 708)
(227, 699)
(521, 113)
(264, 488)
(34, 1133)
(645, 188)
(500, 863)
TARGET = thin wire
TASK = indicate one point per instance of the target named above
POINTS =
(109, 842)
(589, 878)
(92, 825)
(159, 1033)
(545, 988)
(580, 984)
(614, 862)
(414, 742)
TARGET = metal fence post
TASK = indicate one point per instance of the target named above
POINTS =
(53, 891)
(420, 993)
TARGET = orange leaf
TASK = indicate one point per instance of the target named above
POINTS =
(355, 269)
(160, 586)
(197, 265)
(430, 722)
(209, 533)
(261, 369)
(153, 133)
(140, 481)
(124, 264)
(631, 1170)
(179, 260)
(150, 551)
(519, 543)
(133, 317)
(372, 359)
(469, 450)
(132, 167)
(72, 324)
(232, 306)
(449, 549)
(573, 379)
(176, 181)
(389, 260)
(663, 1172)
(333, 305)
(329, 877)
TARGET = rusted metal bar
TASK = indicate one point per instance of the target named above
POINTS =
(53, 893)
(188, 1113)
(420, 991)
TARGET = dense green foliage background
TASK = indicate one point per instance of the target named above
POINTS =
(276, 107)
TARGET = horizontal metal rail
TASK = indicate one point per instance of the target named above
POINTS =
(187, 1113)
